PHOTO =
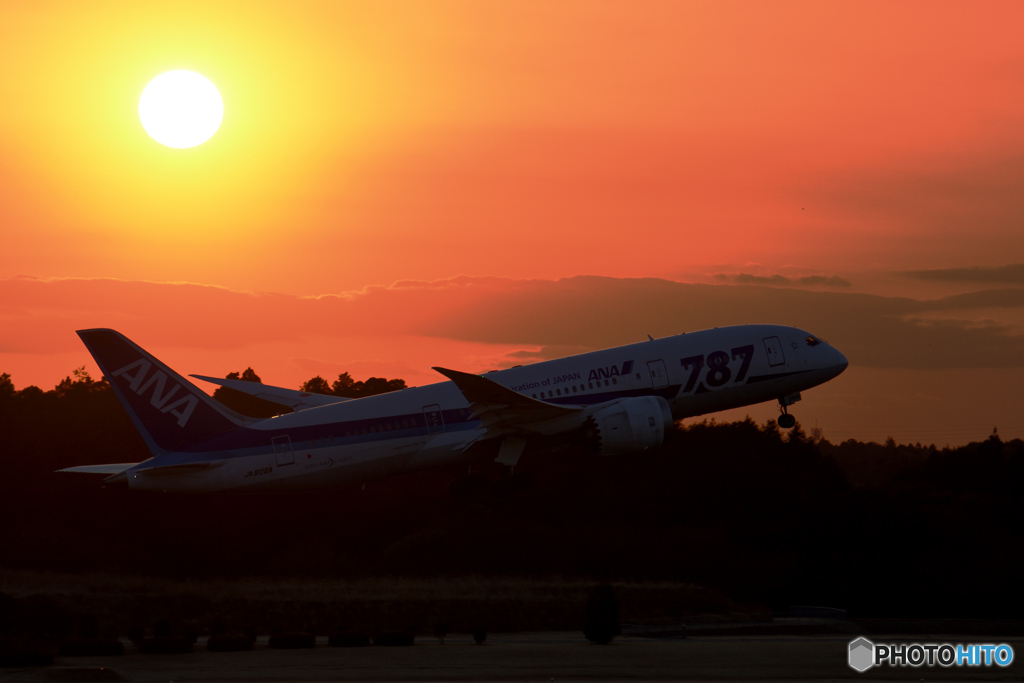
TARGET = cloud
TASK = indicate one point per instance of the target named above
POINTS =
(546, 353)
(989, 298)
(783, 281)
(1008, 274)
(520, 320)
(824, 281)
(872, 330)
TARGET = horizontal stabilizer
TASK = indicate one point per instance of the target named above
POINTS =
(101, 469)
(183, 468)
(502, 410)
(296, 400)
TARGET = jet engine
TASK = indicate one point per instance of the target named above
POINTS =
(629, 425)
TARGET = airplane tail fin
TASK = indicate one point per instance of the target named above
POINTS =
(168, 410)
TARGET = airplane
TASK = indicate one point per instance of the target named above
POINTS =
(615, 402)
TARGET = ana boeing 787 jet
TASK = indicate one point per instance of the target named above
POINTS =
(616, 402)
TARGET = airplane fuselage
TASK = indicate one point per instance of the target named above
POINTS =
(421, 427)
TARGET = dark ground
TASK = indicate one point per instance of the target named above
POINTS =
(518, 657)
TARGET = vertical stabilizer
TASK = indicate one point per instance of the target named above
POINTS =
(168, 410)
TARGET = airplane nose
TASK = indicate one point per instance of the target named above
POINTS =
(841, 362)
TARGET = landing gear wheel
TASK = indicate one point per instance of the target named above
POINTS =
(786, 421)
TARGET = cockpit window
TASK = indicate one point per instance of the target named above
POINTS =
(812, 341)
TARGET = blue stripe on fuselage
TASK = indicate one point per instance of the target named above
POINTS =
(340, 433)
(246, 441)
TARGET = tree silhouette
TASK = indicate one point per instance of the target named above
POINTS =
(343, 386)
(6, 386)
(346, 387)
(317, 385)
(82, 382)
(248, 376)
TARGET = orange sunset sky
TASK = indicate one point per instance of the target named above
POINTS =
(397, 185)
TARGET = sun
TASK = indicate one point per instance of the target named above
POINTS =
(181, 109)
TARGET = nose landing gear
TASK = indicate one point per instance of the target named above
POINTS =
(787, 421)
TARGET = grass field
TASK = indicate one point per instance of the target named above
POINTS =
(500, 604)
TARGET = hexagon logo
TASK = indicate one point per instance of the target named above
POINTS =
(862, 654)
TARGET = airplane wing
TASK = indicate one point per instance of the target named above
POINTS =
(296, 400)
(503, 411)
(113, 468)
(184, 468)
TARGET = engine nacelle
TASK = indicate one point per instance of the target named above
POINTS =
(630, 425)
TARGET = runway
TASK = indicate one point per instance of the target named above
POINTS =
(559, 656)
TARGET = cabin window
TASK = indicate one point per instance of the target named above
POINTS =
(574, 388)
(638, 375)
(590, 384)
(550, 393)
(606, 382)
(614, 380)
(558, 391)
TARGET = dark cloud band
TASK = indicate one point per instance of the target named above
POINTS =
(1008, 274)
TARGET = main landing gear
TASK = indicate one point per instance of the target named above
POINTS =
(787, 421)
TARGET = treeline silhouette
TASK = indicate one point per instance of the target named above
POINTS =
(766, 517)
